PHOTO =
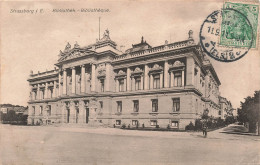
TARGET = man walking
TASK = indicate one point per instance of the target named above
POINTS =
(204, 129)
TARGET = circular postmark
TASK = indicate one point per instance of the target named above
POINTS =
(226, 35)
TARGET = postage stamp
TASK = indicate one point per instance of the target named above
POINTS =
(237, 28)
(234, 29)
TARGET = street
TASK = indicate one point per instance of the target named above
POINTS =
(35, 145)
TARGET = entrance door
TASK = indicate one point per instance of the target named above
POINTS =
(68, 115)
(87, 114)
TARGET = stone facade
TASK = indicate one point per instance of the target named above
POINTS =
(167, 85)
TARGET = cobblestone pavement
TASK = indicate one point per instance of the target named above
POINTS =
(68, 144)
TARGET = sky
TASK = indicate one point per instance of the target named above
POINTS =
(32, 41)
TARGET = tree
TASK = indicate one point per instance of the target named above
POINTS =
(249, 111)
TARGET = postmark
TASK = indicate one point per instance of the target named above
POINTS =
(238, 34)
(210, 33)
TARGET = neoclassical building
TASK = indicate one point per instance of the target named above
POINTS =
(166, 85)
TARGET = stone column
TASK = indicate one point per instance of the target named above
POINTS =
(38, 92)
(190, 71)
(128, 79)
(54, 89)
(73, 77)
(142, 82)
(166, 75)
(172, 79)
(133, 84)
(82, 82)
(146, 86)
(117, 85)
(64, 92)
(63, 113)
(31, 92)
(82, 117)
(93, 77)
(46, 91)
(60, 89)
(72, 112)
(107, 80)
(182, 78)
(124, 84)
(161, 80)
(151, 81)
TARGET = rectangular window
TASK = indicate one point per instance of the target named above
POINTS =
(177, 79)
(176, 104)
(51, 92)
(136, 105)
(118, 122)
(135, 122)
(153, 122)
(101, 105)
(40, 110)
(102, 84)
(33, 110)
(43, 93)
(119, 106)
(121, 85)
(49, 110)
(219, 112)
(175, 124)
(156, 81)
(155, 105)
(35, 95)
(138, 83)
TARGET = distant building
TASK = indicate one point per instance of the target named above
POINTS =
(171, 84)
(226, 108)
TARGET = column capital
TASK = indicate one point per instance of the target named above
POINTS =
(73, 67)
(64, 69)
(84, 65)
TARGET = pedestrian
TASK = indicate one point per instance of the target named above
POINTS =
(204, 129)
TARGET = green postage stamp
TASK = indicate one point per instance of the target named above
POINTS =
(236, 32)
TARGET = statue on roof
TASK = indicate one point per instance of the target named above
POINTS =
(105, 36)
(76, 45)
(190, 34)
(68, 47)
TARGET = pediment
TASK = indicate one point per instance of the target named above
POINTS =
(74, 53)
